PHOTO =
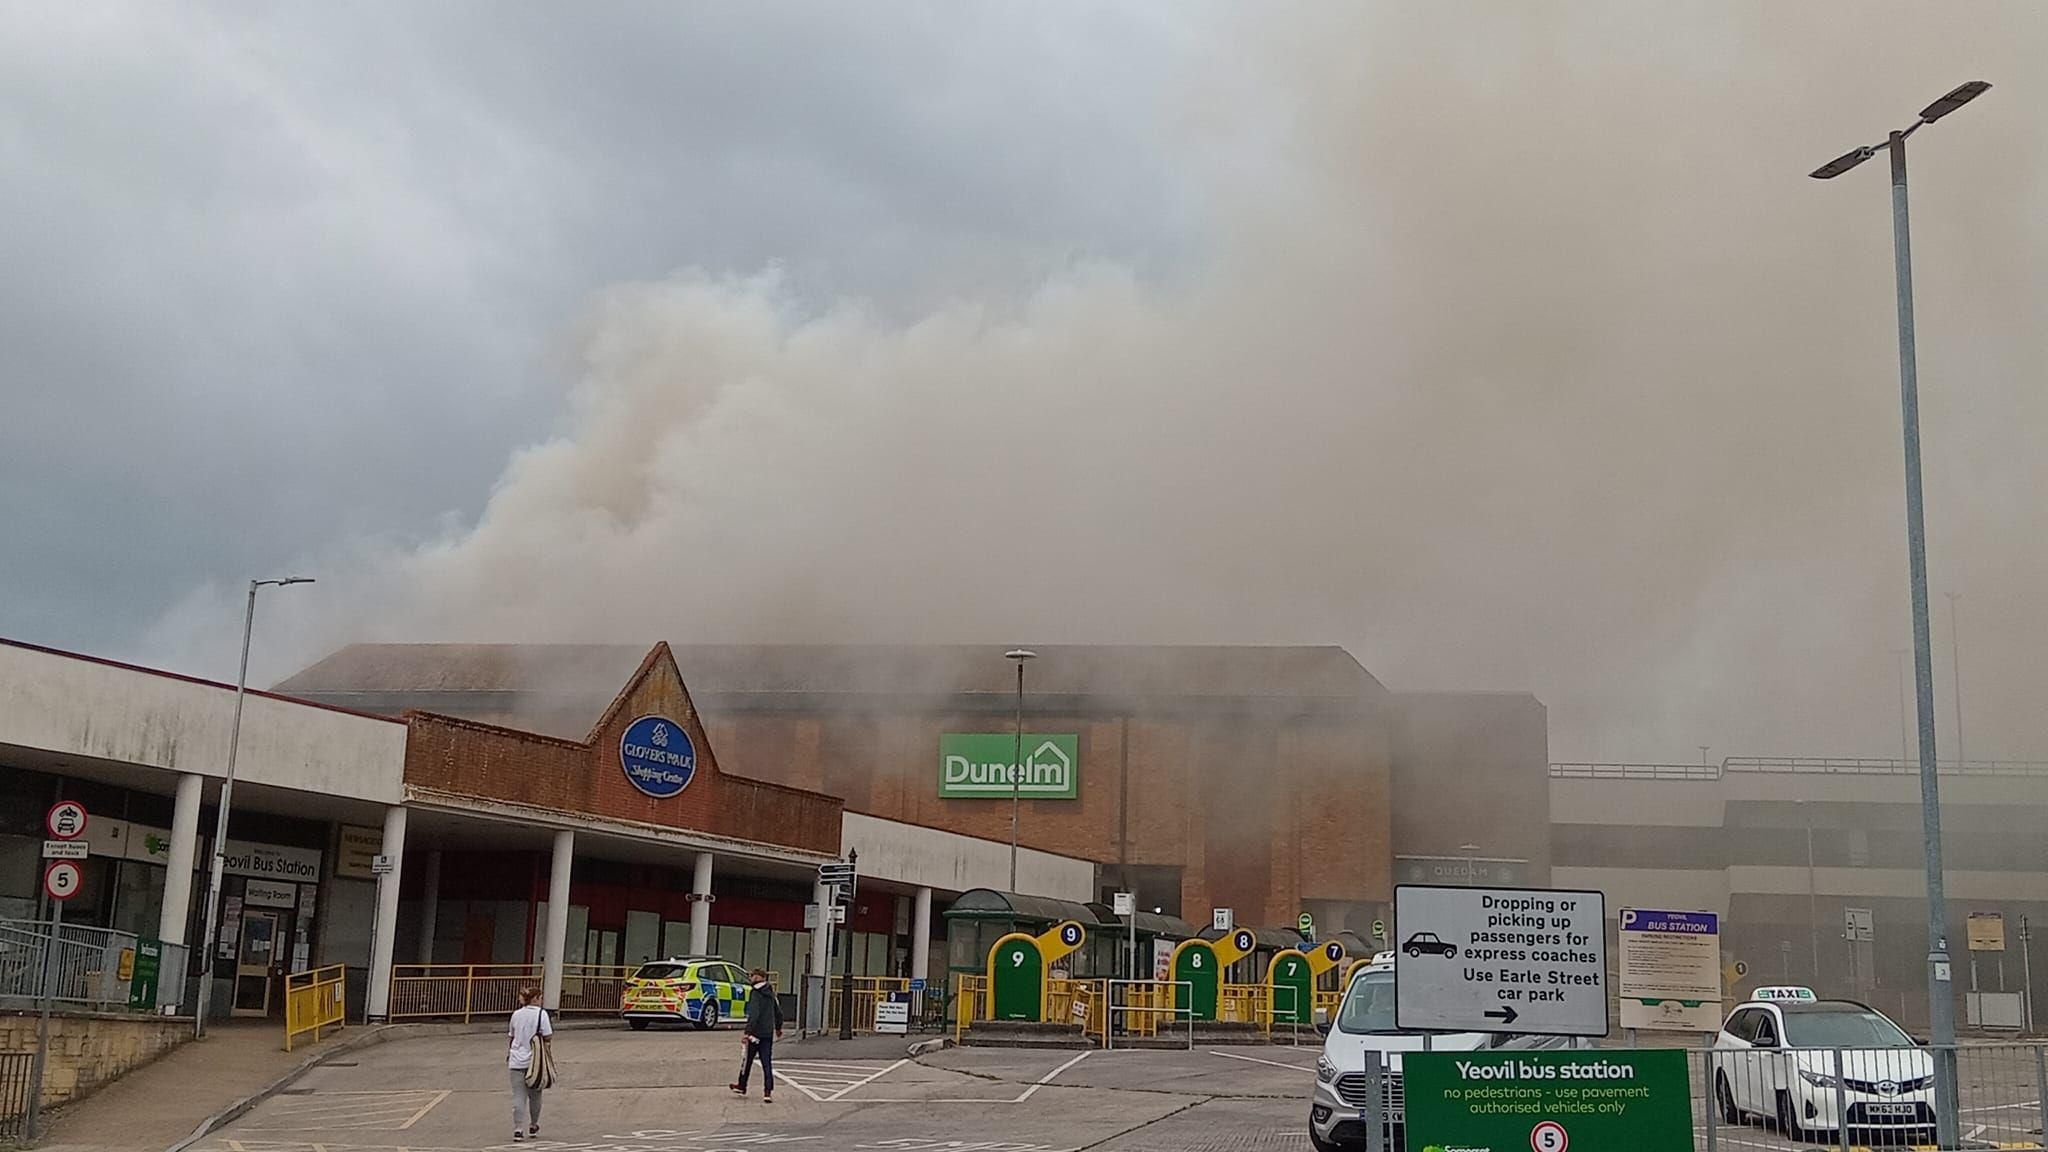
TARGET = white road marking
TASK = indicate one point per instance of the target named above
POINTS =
(833, 1079)
(389, 1111)
(1256, 1060)
(870, 1079)
(1047, 1078)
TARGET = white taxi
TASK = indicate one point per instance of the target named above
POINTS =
(1807, 1065)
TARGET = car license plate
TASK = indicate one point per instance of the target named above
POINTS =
(1891, 1109)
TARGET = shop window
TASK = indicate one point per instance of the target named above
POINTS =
(675, 939)
(21, 861)
(782, 959)
(729, 942)
(643, 936)
(138, 897)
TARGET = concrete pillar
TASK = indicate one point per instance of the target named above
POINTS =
(385, 931)
(430, 899)
(821, 936)
(177, 909)
(700, 908)
(921, 934)
(556, 943)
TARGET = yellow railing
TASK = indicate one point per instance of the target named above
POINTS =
(1146, 1003)
(312, 1002)
(1258, 1004)
(468, 991)
(1083, 1002)
(868, 991)
(1326, 1005)
(970, 1003)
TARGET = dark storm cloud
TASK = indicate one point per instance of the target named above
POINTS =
(280, 275)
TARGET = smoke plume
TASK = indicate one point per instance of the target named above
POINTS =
(1521, 354)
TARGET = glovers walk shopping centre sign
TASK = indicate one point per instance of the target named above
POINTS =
(978, 765)
(657, 756)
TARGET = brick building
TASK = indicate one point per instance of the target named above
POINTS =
(1271, 780)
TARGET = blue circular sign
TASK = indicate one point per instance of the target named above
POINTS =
(657, 756)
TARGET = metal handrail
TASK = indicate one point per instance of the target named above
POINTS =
(1795, 766)
(1149, 999)
(1594, 771)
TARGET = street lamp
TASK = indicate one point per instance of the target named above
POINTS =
(1940, 1000)
(220, 821)
(1017, 656)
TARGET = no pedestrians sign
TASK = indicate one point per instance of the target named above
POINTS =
(1523, 960)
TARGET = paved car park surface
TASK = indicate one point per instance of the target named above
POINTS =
(665, 1091)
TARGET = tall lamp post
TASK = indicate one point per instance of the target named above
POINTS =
(220, 821)
(1940, 998)
(1017, 656)
(1955, 651)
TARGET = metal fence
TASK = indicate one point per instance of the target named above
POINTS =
(1864, 1097)
(93, 967)
(14, 1087)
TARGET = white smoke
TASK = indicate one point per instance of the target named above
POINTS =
(1523, 356)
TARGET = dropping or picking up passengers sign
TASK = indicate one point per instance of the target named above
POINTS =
(1521, 960)
(977, 764)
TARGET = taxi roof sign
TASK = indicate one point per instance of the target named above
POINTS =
(1799, 995)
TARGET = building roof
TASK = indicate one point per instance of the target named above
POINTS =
(564, 687)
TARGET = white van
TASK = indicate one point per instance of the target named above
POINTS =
(1365, 1023)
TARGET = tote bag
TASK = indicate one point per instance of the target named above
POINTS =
(540, 1073)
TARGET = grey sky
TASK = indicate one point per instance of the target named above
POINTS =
(1503, 343)
(278, 274)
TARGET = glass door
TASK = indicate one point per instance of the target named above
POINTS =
(253, 962)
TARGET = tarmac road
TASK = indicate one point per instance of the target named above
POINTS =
(665, 1091)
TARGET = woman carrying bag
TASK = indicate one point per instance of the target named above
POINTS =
(531, 1062)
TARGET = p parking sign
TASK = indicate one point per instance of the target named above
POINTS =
(1548, 1101)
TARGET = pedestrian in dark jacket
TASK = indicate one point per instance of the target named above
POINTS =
(764, 1028)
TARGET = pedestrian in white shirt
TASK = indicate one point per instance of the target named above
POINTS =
(529, 1021)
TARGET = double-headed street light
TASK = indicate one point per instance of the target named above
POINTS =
(1940, 1000)
(1017, 656)
(220, 821)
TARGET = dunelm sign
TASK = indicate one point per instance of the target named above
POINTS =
(978, 765)
(657, 756)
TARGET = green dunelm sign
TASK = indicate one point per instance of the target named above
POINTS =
(1603, 1100)
(976, 765)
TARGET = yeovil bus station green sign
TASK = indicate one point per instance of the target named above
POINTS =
(976, 765)
(1604, 1100)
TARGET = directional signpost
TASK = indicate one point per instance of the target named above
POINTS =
(1523, 960)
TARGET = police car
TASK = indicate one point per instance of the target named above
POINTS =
(1774, 1061)
(1365, 1023)
(700, 990)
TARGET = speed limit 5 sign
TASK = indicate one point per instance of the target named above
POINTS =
(61, 879)
(1549, 1136)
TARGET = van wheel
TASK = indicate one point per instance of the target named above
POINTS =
(1321, 1145)
(637, 1025)
(1725, 1097)
(1788, 1120)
